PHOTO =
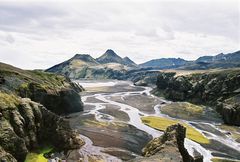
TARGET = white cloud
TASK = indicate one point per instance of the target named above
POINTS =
(41, 34)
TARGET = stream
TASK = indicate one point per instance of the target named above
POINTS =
(99, 94)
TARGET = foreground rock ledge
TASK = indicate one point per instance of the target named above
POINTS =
(168, 148)
(26, 125)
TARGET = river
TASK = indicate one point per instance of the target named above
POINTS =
(110, 101)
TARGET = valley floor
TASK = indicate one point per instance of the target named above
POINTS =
(119, 119)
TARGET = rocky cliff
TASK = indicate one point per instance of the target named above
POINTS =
(220, 89)
(55, 92)
(29, 123)
(169, 147)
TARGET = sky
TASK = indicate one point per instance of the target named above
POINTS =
(39, 34)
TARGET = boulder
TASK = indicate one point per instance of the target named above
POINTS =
(169, 147)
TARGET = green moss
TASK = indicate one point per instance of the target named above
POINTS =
(161, 123)
(8, 100)
(48, 80)
(38, 156)
(24, 86)
(223, 160)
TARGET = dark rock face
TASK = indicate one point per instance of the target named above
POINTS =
(62, 101)
(230, 110)
(28, 125)
(169, 147)
(141, 77)
(2, 80)
(218, 89)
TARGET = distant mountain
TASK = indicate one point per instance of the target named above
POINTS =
(231, 57)
(110, 57)
(77, 61)
(164, 63)
(112, 66)
(221, 60)
(108, 66)
(129, 62)
(85, 59)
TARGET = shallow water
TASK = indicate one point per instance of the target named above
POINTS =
(135, 115)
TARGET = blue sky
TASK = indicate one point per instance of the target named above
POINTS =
(39, 34)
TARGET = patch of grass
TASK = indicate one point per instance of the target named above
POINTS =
(183, 110)
(47, 80)
(38, 156)
(161, 123)
(97, 89)
(223, 160)
(96, 123)
(24, 85)
(8, 100)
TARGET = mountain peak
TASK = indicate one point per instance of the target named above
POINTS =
(110, 56)
(76, 56)
(84, 57)
(110, 52)
(128, 61)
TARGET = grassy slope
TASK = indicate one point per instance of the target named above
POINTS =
(161, 123)
(19, 77)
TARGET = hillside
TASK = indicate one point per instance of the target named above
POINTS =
(29, 101)
(165, 63)
(230, 60)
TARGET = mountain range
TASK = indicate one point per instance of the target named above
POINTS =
(112, 66)
(109, 65)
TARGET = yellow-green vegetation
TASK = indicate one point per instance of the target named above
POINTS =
(235, 131)
(97, 89)
(8, 100)
(101, 124)
(44, 79)
(162, 123)
(183, 110)
(24, 85)
(48, 80)
(223, 160)
(38, 156)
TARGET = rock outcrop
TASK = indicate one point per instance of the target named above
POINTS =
(169, 147)
(220, 89)
(27, 124)
(60, 101)
(57, 93)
